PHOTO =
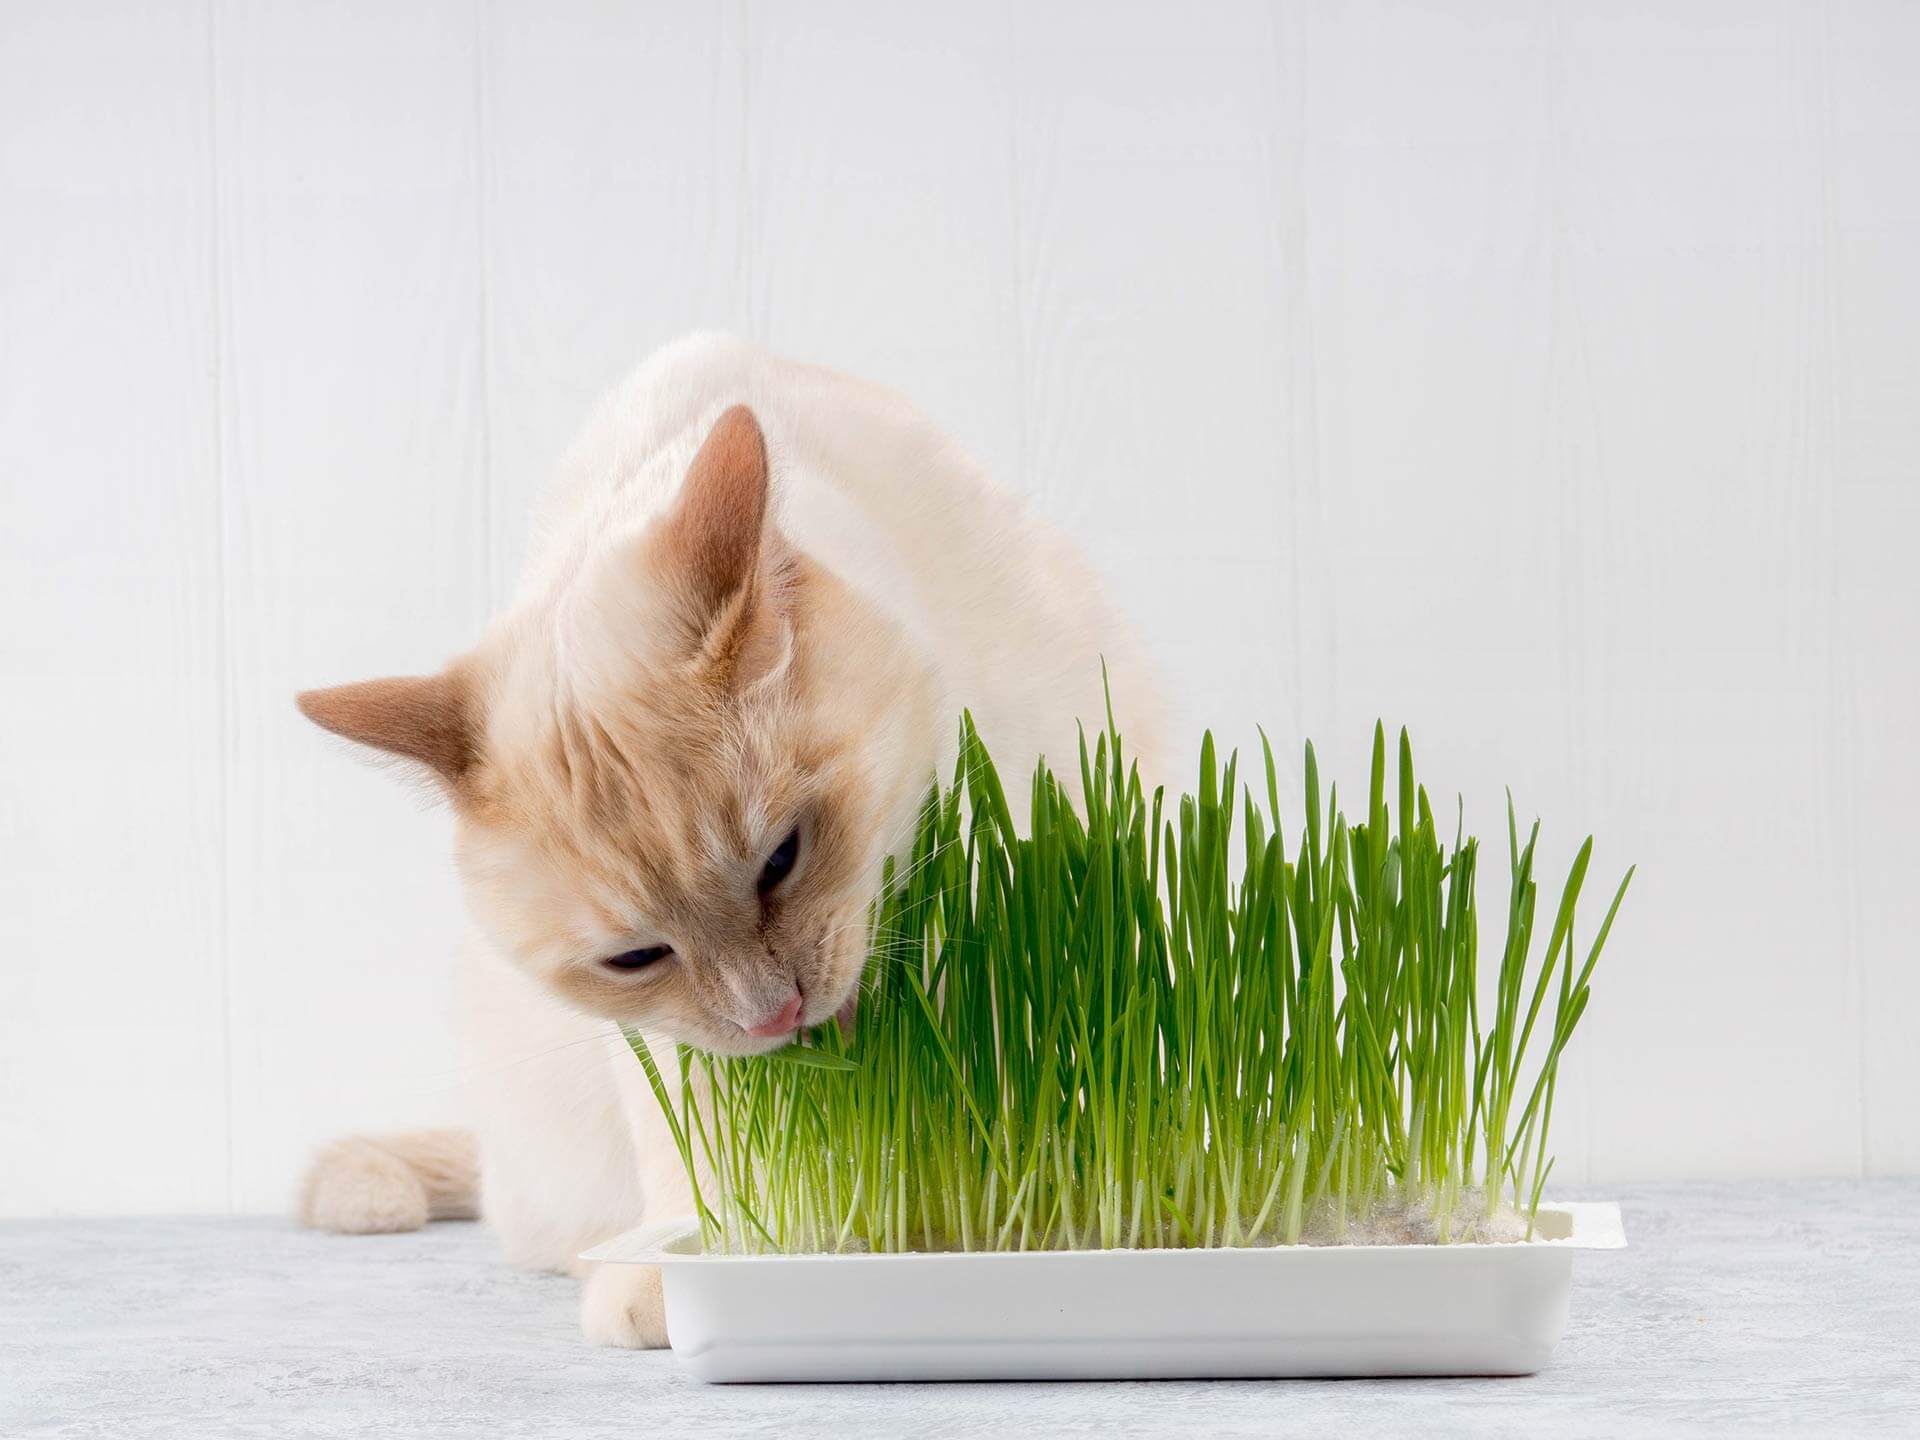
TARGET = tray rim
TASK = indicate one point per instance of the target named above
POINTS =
(1595, 1225)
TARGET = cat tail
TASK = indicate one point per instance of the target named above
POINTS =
(380, 1184)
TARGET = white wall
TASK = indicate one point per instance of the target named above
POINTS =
(1541, 377)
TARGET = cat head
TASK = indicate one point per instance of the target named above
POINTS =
(676, 773)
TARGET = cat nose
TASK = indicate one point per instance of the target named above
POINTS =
(784, 1022)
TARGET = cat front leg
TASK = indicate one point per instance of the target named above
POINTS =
(622, 1305)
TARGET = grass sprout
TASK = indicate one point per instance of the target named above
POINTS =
(1145, 1023)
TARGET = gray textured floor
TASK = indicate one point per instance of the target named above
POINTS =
(1750, 1310)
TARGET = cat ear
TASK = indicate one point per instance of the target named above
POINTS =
(714, 534)
(424, 718)
(718, 546)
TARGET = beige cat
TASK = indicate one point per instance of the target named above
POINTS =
(758, 596)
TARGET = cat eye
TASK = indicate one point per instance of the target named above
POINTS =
(780, 863)
(638, 959)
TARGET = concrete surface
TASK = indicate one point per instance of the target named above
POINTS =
(1748, 1309)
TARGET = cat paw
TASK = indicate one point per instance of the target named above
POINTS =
(353, 1187)
(621, 1305)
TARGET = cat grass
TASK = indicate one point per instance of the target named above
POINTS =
(1155, 1023)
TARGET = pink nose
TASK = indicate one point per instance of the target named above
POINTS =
(783, 1023)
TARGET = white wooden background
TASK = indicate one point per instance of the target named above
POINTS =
(1543, 377)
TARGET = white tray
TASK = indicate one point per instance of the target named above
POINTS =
(1122, 1314)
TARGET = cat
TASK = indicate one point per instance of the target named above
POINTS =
(758, 596)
